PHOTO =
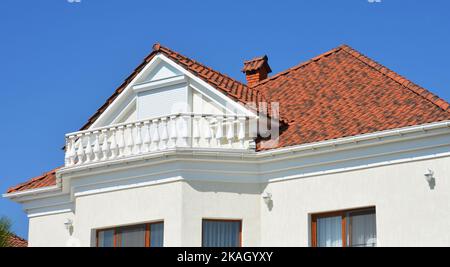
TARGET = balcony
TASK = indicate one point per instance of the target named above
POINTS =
(195, 131)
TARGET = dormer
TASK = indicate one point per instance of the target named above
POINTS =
(170, 102)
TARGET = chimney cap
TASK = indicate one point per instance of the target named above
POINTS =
(257, 64)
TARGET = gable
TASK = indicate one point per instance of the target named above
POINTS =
(219, 84)
(163, 88)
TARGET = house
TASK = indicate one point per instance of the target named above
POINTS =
(336, 151)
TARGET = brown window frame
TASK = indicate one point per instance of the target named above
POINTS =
(225, 220)
(117, 236)
(343, 214)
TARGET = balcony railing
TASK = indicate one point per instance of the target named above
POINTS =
(158, 134)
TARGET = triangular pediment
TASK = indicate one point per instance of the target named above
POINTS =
(163, 88)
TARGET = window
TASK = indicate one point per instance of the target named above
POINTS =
(220, 233)
(132, 236)
(105, 238)
(350, 228)
(144, 235)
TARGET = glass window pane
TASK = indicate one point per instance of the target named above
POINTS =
(221, 233)
(329, 232)
(106, 238)
(363, 231)
(156, 234)
(133, 236)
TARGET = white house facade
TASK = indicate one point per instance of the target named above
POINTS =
(337, 151)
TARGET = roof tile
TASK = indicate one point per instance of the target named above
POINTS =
(44, 180)
(343, 93)
(17, 242)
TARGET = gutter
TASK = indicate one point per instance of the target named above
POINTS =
(357, 138)
(48, 189)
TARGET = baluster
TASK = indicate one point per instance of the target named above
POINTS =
(208, 131)
(230, 131)
(114, 146)
(80, 151)
(219, 130)
(121, 142)
(138, 141)
(72, 152)
(184, 132)
(252, 127)
(146, 136)
(173, 131)
(130, 140)
(196, 131)
(96, 147)
(241, 134)
(88, 150)
(105, 145)
(155, 136)
(164, 134)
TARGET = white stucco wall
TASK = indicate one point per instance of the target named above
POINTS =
(183, 188)
(408, 212)
(161, 202)
(209, 200)
(49, 230)
(181, 205)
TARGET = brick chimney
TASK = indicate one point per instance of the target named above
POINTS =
(256, 70)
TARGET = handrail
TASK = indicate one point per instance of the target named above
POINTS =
(158, 118)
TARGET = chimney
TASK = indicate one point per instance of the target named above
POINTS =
(256, 70)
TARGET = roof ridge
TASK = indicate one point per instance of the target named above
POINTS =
(300, 65)
(419, 90)
(160, 48)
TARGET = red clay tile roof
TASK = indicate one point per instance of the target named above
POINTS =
(343, 93)
(256, 64)
(17, 242)
(337, 94)
(44, 180)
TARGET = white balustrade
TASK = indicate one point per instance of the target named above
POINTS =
(157, 134)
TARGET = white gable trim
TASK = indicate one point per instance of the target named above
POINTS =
(240, 109)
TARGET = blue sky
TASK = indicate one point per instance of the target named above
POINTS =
(61, 60)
